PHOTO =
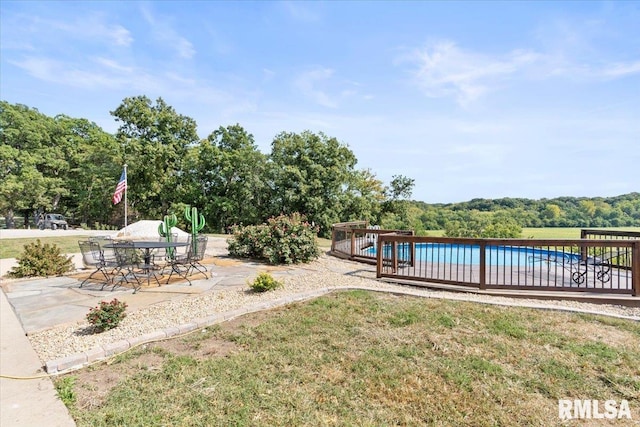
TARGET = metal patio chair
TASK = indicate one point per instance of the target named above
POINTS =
(127, 260)
(189, 263)
(92, 256)
(168, 253)
(108, 254)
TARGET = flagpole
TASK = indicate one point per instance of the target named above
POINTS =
(126, 180)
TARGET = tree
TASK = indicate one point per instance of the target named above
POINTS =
(396, 206)
(93, 169)
(552, 213)
(32, 162)
(227, 177)
(154, 141)
(476, 224)
(364, 195)
(311, 172)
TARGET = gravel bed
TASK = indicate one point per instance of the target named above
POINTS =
(326, 272)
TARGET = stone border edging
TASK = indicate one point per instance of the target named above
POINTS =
(80, 360)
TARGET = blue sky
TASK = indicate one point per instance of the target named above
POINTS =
(470, 99)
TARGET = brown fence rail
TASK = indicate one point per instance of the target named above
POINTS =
(354, 241)
(579, 265)
(624, 259)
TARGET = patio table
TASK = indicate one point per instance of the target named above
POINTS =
(148, 245)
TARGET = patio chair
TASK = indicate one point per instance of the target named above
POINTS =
(108, 254)
(189, 263)
(169, 253)
(92, 257)
(127, 261)
(198, 255)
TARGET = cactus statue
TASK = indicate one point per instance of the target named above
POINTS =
(164, 229)
(197, 223)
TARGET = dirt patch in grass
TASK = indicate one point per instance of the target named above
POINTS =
(95, 383)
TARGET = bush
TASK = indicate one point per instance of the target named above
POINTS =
(265, 282)
(41, 260)
(282, 240)
(107, 315)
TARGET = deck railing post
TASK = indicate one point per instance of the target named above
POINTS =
(635, 269)
(353, 243)
(333, 239)
(483, 265)
(394, 256)
(379, 258)
(412, 254)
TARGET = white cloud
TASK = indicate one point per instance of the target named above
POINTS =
(301, 11)
(167, 35)
(120, 35)
(109, 74)
(113, 65)
(30, 33)
(579, 47)
(445, 70)
(621, 69)
(307, 83)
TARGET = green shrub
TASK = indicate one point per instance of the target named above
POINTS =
(107, 315)
(41, 260)
(265, 282)
(282, 240)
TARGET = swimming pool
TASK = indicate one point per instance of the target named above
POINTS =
(449, 253)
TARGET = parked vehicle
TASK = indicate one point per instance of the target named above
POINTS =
(52, 221)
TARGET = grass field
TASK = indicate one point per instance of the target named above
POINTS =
(366, 359)
(12, 248)
(548, 232)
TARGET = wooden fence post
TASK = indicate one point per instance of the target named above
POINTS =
(353, 243)
(635, 269)
(483, 265)
(333, 239)
(379, 257)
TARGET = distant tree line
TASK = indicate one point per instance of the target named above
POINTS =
(597, 212)
(71, 166)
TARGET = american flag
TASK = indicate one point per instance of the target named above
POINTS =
(120, 188)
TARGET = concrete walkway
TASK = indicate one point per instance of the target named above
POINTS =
(25, 402)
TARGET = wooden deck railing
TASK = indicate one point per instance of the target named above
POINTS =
(579, 265)
(622, 261)
(601, 262)
(358, 243)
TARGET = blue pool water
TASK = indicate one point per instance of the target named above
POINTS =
(447, 253)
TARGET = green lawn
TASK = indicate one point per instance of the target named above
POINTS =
(12, 248)
(548, 232)
(367, 359)
(564, 232)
